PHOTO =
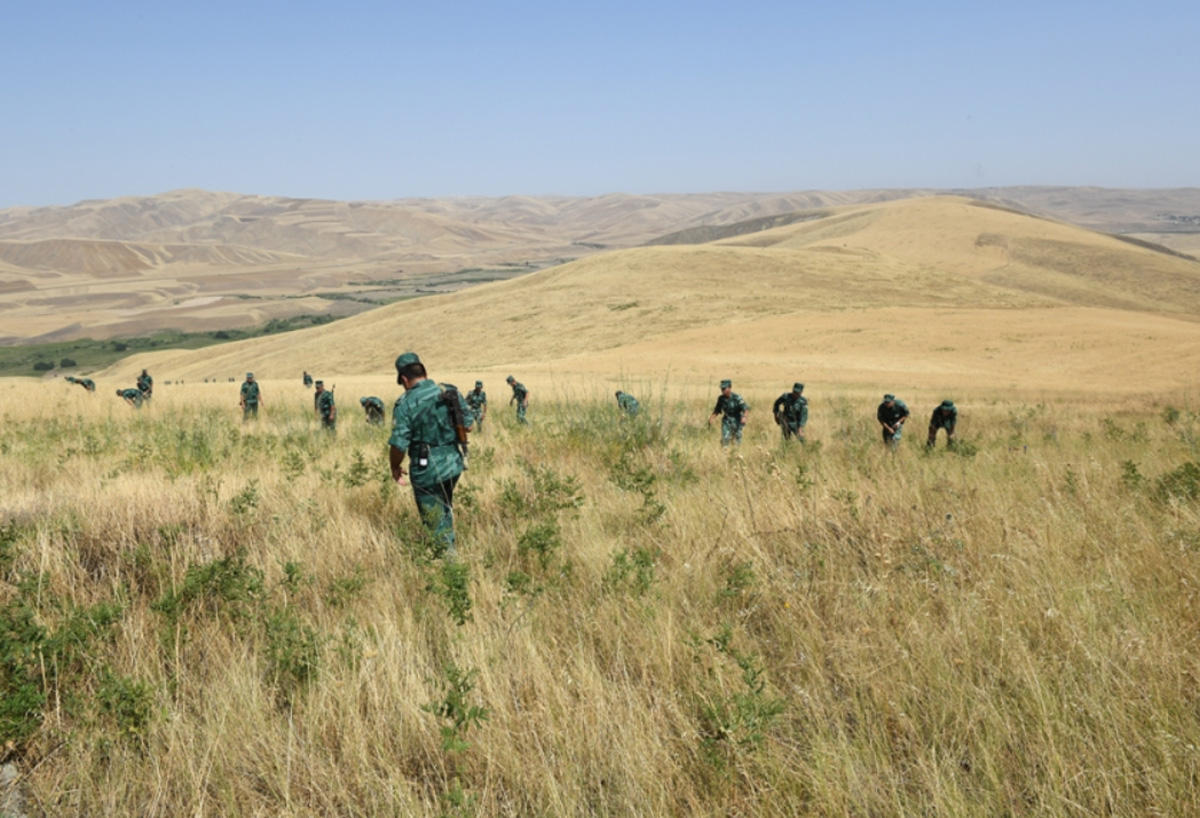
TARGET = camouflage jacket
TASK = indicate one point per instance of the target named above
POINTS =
(732, 407)
(250, 392)
(476, 399)
(893, 414)
(629, 403)
(422, 427)
(520, 393)
(325, 404)
(791, 408)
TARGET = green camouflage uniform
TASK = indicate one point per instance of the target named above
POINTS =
(945, 416)
(86, 383)
(145, 385)
(134, 396)
(628, 404)
(520, 395)
(250, 397)
(732, 410)
(325, 410)
(477, 401)
(893, 416)
(422, 428)
(308, 379)
(374, 409)
(791, 412)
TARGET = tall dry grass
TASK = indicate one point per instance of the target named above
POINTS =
(242, 619)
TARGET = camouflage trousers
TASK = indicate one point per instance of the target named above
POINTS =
(436, 505)
(933, 430)
(250, 410)
(731, 429)
(892, 438)
(521, 413)
(792, 429)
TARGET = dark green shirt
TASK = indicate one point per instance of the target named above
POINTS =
(891, 415)
(476, 399)
(419, 421)
(134, 395)
(732, 407)
(325, 404)
(791, 407)
(519, 391)
(629, 403)
(250, 392)
(944, 418)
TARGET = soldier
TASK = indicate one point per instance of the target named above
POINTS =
(791, 412)
(131, 396)
(326, 410)
(251, 397)
(628, 403)
(945, 416)
(477, 403)
(145, 385)
(520, 395)
(733, 412)
(426, 422)
(891, 414)
(86, 383)
(373, 406)
(307, 379)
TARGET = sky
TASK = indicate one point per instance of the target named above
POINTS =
(385, 100)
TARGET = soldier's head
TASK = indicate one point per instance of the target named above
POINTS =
(409, 368)
(510, 379)
(120, 393)
(726, 387)
(362, 401)
(144, 372)
(889, 399)
(320, 385)
(479, 384)
(249, 376)
(946, 405)
(619, 394)
(797, 387)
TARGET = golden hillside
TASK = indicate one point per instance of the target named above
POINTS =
(925, 292)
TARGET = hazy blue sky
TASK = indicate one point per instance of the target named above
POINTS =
(383, 100)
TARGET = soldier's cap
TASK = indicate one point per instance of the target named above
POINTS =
(363, 401)
(797, 387)
(479, 383)
(726, 384)
(249, 376)
(947, 404)
(509, 379)
(888, 397)
(120, 391)
(619, 393)
(407, 359)
(318, 383)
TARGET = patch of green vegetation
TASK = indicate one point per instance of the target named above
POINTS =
(88, 354)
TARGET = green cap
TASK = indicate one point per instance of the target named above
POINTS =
(726, 384)
(407, 359)
(479, 383)
(947, 404)
(318, 383)
(509, 379)
(363, 401)
(888, 397)
(249, 376)
(797, 387)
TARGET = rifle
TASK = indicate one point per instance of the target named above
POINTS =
(453, 402)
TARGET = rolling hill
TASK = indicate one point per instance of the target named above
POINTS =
(932, 291)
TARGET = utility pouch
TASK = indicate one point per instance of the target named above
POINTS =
(422, 457)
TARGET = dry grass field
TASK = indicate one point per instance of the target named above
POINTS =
(209, 618)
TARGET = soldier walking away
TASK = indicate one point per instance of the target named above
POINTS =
(733, 412)
(131, 396)
(628, 404)
(251, 397)
(373, 406)
(520, 395)
(891, 414)
(791, 412)
(945, 416)
(145, 385)
(477, 403)
(307, 379)
(326, 410)
(86, 383)
(429, 426)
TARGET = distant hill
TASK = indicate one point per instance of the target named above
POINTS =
(892, 283)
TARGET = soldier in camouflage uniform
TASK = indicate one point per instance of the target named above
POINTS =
(86, 383)
(145, 385)
(251, 397)
(945, 416)
(326, 410)
(791, 412)
(423, 428)
(131, 396)
(628, 404)
(733, 412)
(520, 395)
(891, 414)
(308, 379)
(373, 406)
(477, 403)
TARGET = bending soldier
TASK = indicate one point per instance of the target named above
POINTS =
(520, 395)
(424, 422)
(891, 414)
(628, 403)
(251, 397)
(373, 406)
(86, 383)
(477, 403)
(791, 412)
(733, 412)
(945, 416)
(131, 396)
